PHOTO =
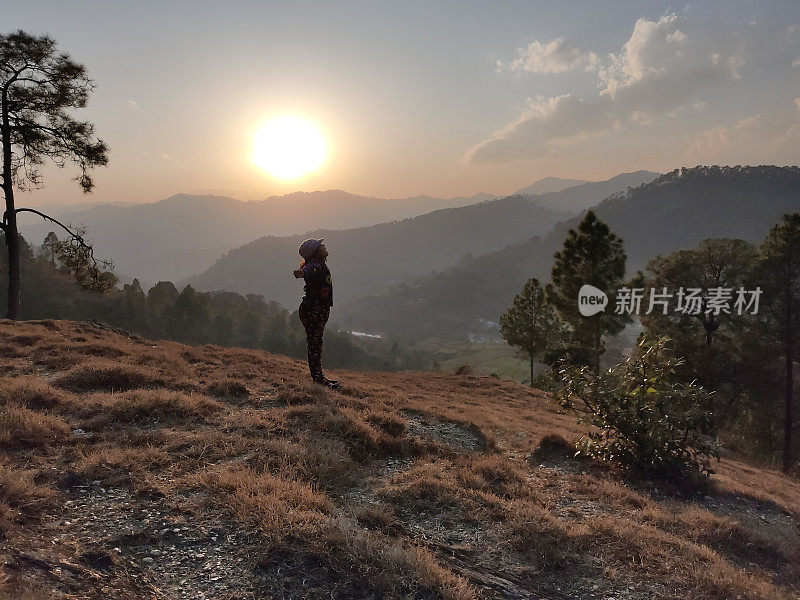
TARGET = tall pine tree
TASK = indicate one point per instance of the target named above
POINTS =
(778, 274)
(592, 255)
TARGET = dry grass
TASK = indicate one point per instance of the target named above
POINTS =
(21, 499)
(22, 427)
(349, 479)
(107, 376)
(152, 405)
(30, 392)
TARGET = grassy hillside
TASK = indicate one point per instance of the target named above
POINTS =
(135, 469)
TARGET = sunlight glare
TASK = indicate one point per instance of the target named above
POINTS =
(289, 147)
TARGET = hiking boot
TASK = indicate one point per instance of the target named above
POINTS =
(331, 383)
(328, 383)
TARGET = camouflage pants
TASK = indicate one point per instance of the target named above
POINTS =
(314, 317)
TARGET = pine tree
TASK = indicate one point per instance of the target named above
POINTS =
(592, 255)
(38, 88)
(778, 274)
(531, 323)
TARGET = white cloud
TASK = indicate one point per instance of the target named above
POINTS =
(659, 72)
(707, 144)
(545, 122)
(797, 103)
(132, 105)
(796, 63)
(768, 139)
(748, 123)
(166, 157)
(663, 64)
(553, 57)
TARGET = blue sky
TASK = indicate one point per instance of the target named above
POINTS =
(439, 98)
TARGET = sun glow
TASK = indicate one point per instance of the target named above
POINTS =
(289, 147)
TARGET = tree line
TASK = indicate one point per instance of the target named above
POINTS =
(736, 366)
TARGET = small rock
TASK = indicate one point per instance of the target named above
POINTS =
(148, 559)
(79, 433)
(155, 552)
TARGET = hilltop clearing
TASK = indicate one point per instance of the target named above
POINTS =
(136, 469)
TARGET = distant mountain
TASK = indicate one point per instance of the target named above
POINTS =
(678, 210)
(60, 208)
(407, 249)
(585, 195)
(549, 184)
(182, 235)
(370, 258)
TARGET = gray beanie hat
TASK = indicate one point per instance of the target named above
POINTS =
(309, 247)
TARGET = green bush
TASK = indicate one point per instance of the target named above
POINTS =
(645, 418)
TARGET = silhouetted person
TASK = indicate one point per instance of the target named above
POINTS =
(316, 304)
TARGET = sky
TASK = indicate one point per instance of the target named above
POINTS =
(442, 98)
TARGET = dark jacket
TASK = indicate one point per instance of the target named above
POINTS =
(318, 288)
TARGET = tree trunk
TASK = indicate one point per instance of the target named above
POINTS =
(788, 418)
(531, 370)
(596, 365)
(12, 242)
(10, 217)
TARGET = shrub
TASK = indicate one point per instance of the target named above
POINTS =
(647, 419)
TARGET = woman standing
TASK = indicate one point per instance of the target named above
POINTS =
(316, 305)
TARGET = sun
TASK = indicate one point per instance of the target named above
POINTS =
(289, 147)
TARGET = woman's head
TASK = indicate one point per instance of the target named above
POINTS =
(312, 248)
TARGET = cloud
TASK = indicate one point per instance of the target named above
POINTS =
(665, 63)
(796, 63)
(707, 144)
(553, 57)
(767, 138)
(166, 157)
(545, 122)
(659, 72)
(132, 105)
(797, 103)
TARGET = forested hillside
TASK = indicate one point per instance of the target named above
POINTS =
(182, 235)
(677, 210)
(370, 258)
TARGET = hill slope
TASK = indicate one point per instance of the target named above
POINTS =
(677, 210)
(371, 258)
(182, 235)
(142, 470)
(549, 184)
(584, 195)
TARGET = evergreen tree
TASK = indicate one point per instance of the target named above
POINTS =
(38, 88)
(531, 323)
(592, 255)
(50, 247)
(778, 274)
